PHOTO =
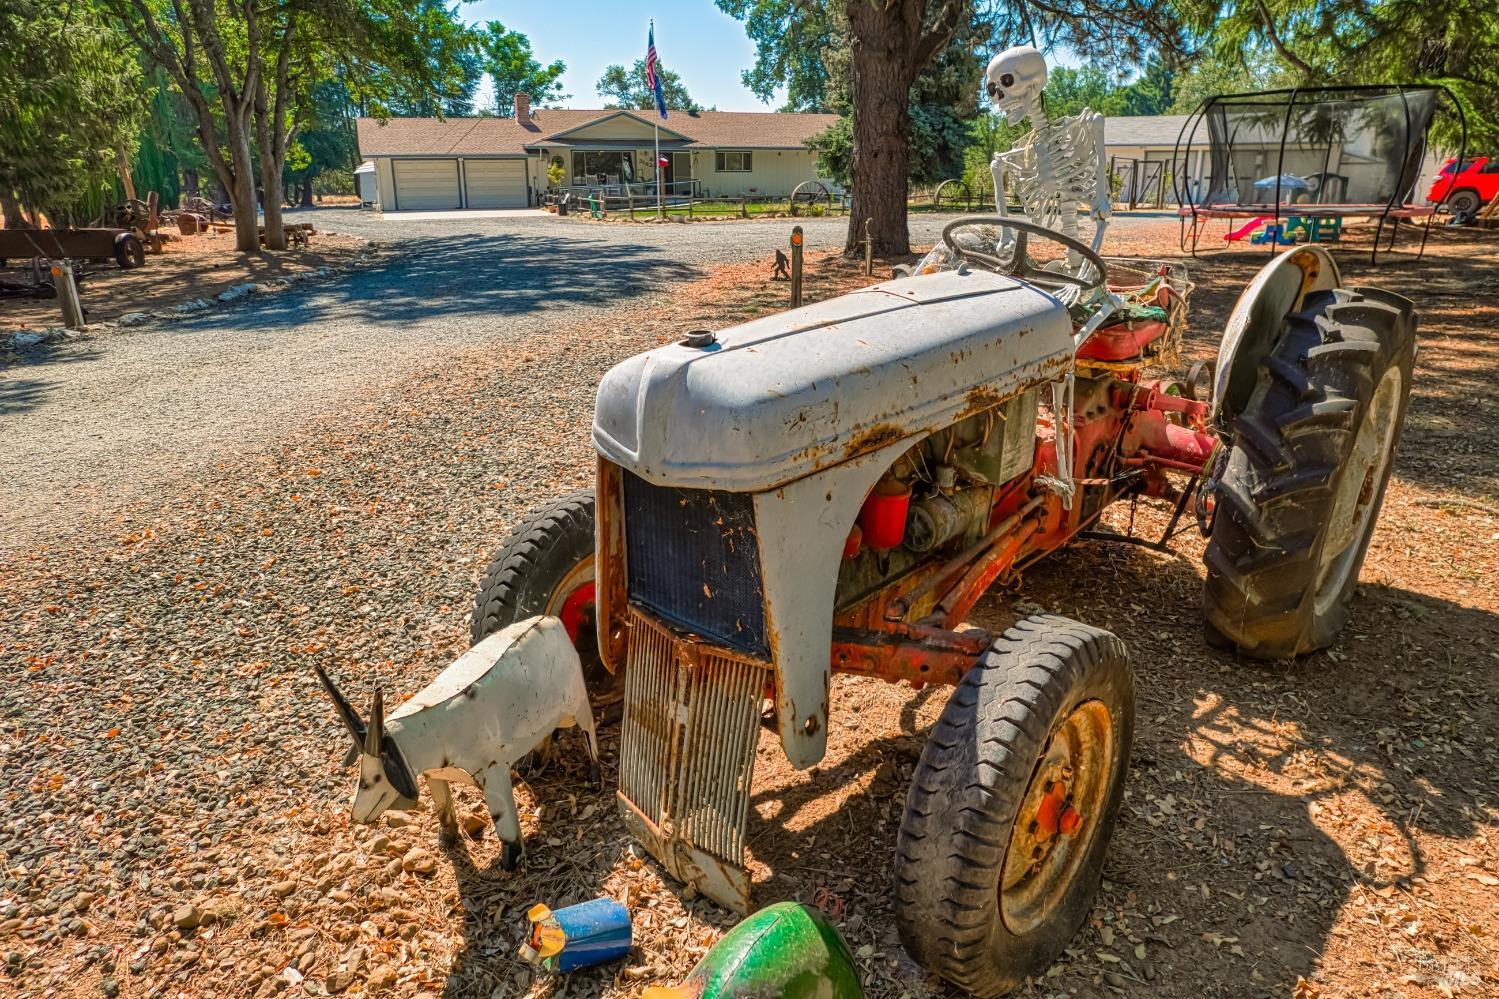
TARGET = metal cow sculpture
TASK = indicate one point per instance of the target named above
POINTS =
(488, 709)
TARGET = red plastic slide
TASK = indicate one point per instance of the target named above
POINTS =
(1247, 228)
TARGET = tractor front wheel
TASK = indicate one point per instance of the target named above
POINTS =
(1306, 472)
(545, 567)
(1012, 805)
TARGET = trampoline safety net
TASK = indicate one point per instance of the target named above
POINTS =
(1328, 146)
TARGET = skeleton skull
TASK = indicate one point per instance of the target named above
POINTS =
(1015, 79)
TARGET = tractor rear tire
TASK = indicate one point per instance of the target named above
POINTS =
(1306, 473)
(989, 885)
(545, 566)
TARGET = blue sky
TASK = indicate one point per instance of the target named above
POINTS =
(694, 38)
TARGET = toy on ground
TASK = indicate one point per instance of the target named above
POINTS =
(1273, 233)
(492, 706)
(1315, 228)
(578, 936)
(787, 950)
(1234, 235)
(833, 489)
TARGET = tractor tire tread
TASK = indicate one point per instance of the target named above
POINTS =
(968, 787)
(1287, 450)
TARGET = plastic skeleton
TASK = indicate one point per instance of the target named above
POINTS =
(1056, 167)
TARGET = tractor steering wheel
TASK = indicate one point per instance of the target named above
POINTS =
(1020, 265)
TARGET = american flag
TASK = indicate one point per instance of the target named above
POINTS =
(651, 79)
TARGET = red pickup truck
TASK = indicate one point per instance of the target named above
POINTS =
(1472, 186)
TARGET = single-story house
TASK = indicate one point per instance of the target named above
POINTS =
(1139, 148)
(456, 163)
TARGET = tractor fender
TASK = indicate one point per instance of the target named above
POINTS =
(1257, 320)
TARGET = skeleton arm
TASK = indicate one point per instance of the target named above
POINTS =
(1102, 205)
(1003, 165)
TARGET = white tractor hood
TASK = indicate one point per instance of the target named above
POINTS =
(781, 397)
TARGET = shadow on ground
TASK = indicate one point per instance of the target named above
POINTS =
(1220, 866)
(471, 274)
(23, 385)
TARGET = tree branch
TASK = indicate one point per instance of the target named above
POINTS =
(939, 34)
(1280, 46)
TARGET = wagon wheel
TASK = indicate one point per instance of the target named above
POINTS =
(811, 197)
(952, 182)
(130, 252)
(1012, 804)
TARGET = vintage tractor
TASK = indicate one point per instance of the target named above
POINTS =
(833, 488)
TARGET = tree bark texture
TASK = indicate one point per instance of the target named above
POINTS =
(892, 41)
(881, 85)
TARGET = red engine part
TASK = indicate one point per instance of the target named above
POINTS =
(853, 542)
(1125, 342)
(883, 516)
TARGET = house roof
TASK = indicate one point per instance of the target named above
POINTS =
(1147, 130)
(515, 137)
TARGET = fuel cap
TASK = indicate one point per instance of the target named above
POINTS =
(700, 338)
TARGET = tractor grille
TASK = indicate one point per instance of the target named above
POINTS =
(692, 556)
(687, 743)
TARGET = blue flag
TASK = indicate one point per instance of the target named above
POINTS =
(652, 80)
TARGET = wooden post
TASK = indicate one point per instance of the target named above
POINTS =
(67, 294)
(126, 181)
(868, 250)
(796, 267)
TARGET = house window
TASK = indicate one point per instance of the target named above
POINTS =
(731, 161)
(615, 166)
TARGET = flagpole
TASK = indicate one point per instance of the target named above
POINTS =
(659, 212)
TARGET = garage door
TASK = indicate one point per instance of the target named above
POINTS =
(496, 183)
(426, 184)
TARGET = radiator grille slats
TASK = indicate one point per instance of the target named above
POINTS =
(692, 557)
(689, 735)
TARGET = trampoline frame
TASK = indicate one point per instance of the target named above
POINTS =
(1398, 206)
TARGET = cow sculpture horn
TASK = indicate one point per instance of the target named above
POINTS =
(374, 735)
(346, 712)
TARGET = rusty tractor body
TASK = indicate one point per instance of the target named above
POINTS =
(832, 489)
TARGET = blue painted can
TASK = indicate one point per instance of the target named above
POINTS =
(595, 932)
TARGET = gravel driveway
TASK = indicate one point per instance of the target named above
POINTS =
(88, 426)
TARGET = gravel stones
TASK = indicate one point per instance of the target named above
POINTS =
(187, 917)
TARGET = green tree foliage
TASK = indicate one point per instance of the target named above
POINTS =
(1372, 41)
(70, 106)
(625, 88)
(325, 145)
(800, 44)
(247, 68)
(407, 57)
(514, 70)
(167, 148)
(1213, 72)
(943, 104)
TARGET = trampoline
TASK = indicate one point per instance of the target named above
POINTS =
(1300, 161)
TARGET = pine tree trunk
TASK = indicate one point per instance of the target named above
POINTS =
(242, 196)
(881, 89)
(275, 195)
(271, 186)
(306, 201)
(10, 210)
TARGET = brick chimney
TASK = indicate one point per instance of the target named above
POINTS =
(522, 106)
